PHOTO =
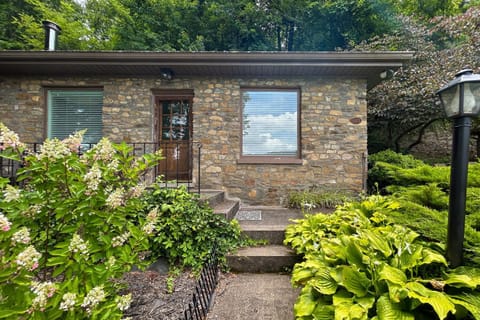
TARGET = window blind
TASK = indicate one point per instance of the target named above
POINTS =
(73, 110)
(270, 123)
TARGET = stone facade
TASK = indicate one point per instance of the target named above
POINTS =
(333, 128)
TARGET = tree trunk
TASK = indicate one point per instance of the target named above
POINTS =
(422, 126)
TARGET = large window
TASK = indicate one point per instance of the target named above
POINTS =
(72, 110)
(270, 125)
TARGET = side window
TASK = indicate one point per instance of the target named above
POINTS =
(270, 123)
(72, 110)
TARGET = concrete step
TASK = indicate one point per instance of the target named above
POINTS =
(273, 234)
(216, 199)
(266, 223)
(213, 197)
(262, 259)
(227, 208)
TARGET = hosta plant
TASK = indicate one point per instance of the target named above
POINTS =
(73, 228)
(360, 266)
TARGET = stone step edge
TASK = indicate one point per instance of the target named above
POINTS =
(227, 208)
(263, 259)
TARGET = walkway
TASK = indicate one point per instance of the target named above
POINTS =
(248, 296)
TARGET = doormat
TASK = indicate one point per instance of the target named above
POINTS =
(249, 215)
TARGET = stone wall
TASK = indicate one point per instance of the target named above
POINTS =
(333, 128)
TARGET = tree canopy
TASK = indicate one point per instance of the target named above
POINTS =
(407, 102)
(186, 25)
(444, 34)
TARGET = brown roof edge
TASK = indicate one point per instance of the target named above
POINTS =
(189, 57)
(367, 65)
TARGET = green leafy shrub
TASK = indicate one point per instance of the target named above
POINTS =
(378, 175)
(73, 228)
(398, 159)
(358, 265)
(319, 198)
(423, 192)
(185, 230)
(430, 195)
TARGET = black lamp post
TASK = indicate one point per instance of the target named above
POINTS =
(461, 101)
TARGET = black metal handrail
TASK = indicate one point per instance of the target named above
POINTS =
(198, 308)
(176, 168)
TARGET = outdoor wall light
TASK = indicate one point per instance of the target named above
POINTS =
(166, 74)
(461, 100)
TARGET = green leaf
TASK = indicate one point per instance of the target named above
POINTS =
(7, 313)
(354, 254)
(301, 275)
(323, 282)
(438, 300)
(464, 277)
(392, 275)
(306, 303)
(376, 242)
(387, 310)
(471, 302)
(347, 308)
(355, 282)
(366, 302)
(430, 256)
(323, 312)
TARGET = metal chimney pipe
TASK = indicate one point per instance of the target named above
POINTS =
(51, 32)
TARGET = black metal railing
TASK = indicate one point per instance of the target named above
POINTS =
(198, 308)
(175, 169)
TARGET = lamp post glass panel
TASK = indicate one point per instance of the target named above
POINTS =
(461, 101)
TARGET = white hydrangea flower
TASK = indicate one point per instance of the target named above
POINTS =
(93, 177)
(11, 193)
(120, 240)
(32, 211)
(113, 165)
(111, 262)
(68, 301)
(104, 150)
(21, 236)
(43, 291)
(153, 214)
(74, 141)
(4, 223)
(8, 138)
(137, 191)
(149, 227)
(78, 245)
(123, 302)
(53, 149)
(115, 199)
(28, 258)
(93, 298)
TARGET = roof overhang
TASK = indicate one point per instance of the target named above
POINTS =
(365, 65)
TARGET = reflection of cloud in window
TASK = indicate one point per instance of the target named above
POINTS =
(270, 134)
(270, 102)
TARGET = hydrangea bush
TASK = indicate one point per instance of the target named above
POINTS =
(71, 229)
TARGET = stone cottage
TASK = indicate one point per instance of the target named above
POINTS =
(254, 124)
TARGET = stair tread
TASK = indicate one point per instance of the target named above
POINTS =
(262, 259)
(261, 227)
(225, 205)
(268, 250)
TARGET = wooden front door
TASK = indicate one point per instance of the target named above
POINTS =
(174, 132)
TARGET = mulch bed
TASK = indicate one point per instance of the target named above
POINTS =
(151, 299)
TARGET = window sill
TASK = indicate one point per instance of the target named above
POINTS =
(269, 160)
